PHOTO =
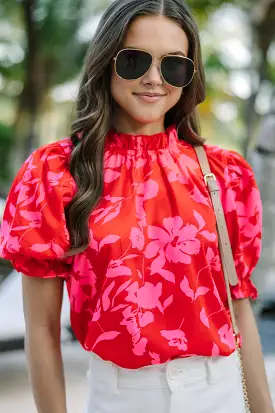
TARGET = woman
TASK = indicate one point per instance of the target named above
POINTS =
(137, 245)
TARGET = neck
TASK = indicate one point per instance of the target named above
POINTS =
(128, 125)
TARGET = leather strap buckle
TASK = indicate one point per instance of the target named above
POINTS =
(209, 176)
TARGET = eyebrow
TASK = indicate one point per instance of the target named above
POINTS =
(165, 54)
(177, 53)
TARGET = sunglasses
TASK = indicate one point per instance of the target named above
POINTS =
(132, 64)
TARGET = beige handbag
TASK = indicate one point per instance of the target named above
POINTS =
(227, 259)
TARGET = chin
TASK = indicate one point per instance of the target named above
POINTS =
(147, 121)
(146, 118)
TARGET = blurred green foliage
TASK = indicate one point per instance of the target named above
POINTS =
(6, 144)
(43, 49)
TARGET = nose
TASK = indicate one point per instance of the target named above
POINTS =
(153, 76)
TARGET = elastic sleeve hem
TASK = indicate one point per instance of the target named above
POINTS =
(41, 269)
(244, 289)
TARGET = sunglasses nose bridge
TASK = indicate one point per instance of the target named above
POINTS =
(155, 64)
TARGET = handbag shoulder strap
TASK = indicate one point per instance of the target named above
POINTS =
(228, 265)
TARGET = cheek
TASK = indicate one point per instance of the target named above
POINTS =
(173, 97)
(119, 89)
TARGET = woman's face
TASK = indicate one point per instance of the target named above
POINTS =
(134, 112)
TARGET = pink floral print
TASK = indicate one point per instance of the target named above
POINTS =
(146, 296)
(178, 241)
(150, 285)
(137, 238)
(176, 338)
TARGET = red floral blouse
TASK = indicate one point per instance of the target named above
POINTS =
(149, 287)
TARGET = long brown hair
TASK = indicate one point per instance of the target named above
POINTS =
(94, 103)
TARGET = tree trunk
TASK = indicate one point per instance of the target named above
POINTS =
(262, 20)
(25, 139)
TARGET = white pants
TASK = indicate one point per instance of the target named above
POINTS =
(190, 385)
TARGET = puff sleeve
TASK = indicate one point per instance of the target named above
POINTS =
(34, 236)
(243, 213)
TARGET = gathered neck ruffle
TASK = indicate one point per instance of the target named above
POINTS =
(161, 140)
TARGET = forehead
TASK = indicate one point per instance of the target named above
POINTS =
(157, 34)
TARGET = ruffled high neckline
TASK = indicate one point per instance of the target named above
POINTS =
(161, 140)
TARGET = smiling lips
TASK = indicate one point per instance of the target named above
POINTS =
(149, 97)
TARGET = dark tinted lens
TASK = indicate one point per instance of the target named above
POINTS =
(177, 71)
(132, 64)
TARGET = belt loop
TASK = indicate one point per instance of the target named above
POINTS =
(208, 370)
(116, 378)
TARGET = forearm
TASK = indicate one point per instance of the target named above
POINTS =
(46, 371)
(253, 362)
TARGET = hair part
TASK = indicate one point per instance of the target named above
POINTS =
(95, 104)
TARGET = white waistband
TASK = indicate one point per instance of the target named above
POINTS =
(184, 370)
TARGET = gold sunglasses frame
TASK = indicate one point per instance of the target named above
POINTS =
(155, 61)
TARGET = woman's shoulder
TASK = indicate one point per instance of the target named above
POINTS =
(228, 163)
(48, 162)
(57, 152)
(45, 170)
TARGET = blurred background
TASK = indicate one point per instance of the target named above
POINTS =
(42, 46)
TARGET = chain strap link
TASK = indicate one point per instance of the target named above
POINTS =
(244, 386)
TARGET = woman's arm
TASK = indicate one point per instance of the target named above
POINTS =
(42, 300)
(253, 361)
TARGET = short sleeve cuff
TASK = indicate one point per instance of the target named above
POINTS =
(42, 269)
(244, 289)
